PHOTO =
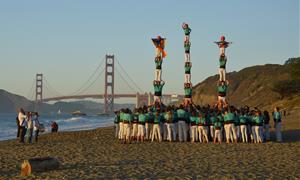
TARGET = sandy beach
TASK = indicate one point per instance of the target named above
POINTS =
(97, 154)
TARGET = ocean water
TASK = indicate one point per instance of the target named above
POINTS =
(66, 122)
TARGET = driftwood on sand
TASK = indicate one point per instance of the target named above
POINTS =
(38, 165)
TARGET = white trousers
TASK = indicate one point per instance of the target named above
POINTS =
(194, 133)
(121, 130)
(156, 132)
(230, 132)
(244, 133)
(187, 57)
(127, 131)
(253, 134)
(157, 98)
(278, 132)
(217, 135)
(182, 131)
(158, 74)
(148, 130)
(187, 78)
(202, 133)
(222, 73)
(267, 132)
(141, 130)
(134, 130)
(212, 131)
(117, 130)
(258, 134)
(171, 131)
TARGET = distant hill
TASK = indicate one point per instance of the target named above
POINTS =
(9, 103)
(252, 86)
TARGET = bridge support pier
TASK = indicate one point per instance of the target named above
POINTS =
(109, 84)
(38, 92)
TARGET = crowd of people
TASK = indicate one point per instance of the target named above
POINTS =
(196, 124)
(28, 126)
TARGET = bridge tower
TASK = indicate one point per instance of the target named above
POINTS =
(109, 84)
(38, 91)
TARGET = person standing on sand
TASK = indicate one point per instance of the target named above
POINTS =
(258, 119)
(266, 125)
(29, 130)
(141, 127)
(18, 125)
(182, 132)
(127, 125)
(229, 126)
(218, 127)
(194, 120)
(36, 126)
(277, 121)
(22, 123)
(121, 125)
(135, 124)
(116, 123)
(156, 127)
(243, 126)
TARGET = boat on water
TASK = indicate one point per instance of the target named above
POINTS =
(78, 113)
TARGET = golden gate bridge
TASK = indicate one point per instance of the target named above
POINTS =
(109, 95)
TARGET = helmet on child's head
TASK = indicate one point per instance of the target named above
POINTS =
(222, 38)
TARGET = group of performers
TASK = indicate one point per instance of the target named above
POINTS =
(193, 123)
(189, 121)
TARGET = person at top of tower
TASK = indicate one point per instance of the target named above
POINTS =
(158, 86)
(187, 30)
(223, 45)
(159, 44)
(187, 46)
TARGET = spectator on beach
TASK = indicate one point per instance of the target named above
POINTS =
(23, 123)
(277, 121)
(19, 127)
(36, 126)
(54, 127)
(116, 123)
(29, 128)
(266, 125)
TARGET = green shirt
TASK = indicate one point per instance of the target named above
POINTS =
(218, 125)
(229, 117)
(243, 119)
(194, 120)
(169, 118)
(258, 120)
(158, 63)
(142, 118)
(188, 91)
(222, 62)
(158, 88)
(187, 46)
(187, 69)
(277, 116)
(222, 89)
(157, 119)
(128, 117)
(213, 119)
(181, 114)
(187, 31)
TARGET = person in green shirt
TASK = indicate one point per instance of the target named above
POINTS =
(141, 125)
(169, 117)
(222, 92)
(243, 126)
(187, 31)
(127, 119)
(121, 125)
(182, 130)
(230, 132)
(202, 127)
(212, 120)
(187, 46)
(258, 120)
(156, 127)
(158, 87)
(149, 124)
(222, 69)
(277, 121)
(193, 128)
(187, 69)
(218, 129)
(158, 64)
(188, 91)
(135, 123)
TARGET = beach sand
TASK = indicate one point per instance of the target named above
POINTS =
(97, 154)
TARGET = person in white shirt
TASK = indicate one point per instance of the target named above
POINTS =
(22, 123)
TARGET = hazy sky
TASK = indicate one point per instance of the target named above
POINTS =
(66, 39)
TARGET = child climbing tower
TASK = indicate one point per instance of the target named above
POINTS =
(158, 83)
(223, 83)
(187, 65)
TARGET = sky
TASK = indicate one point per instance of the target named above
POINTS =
(67, 39)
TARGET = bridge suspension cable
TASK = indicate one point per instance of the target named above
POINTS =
(30, 94)
(128, 76)
(124, 79)
(78, 91)
(50, 88)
